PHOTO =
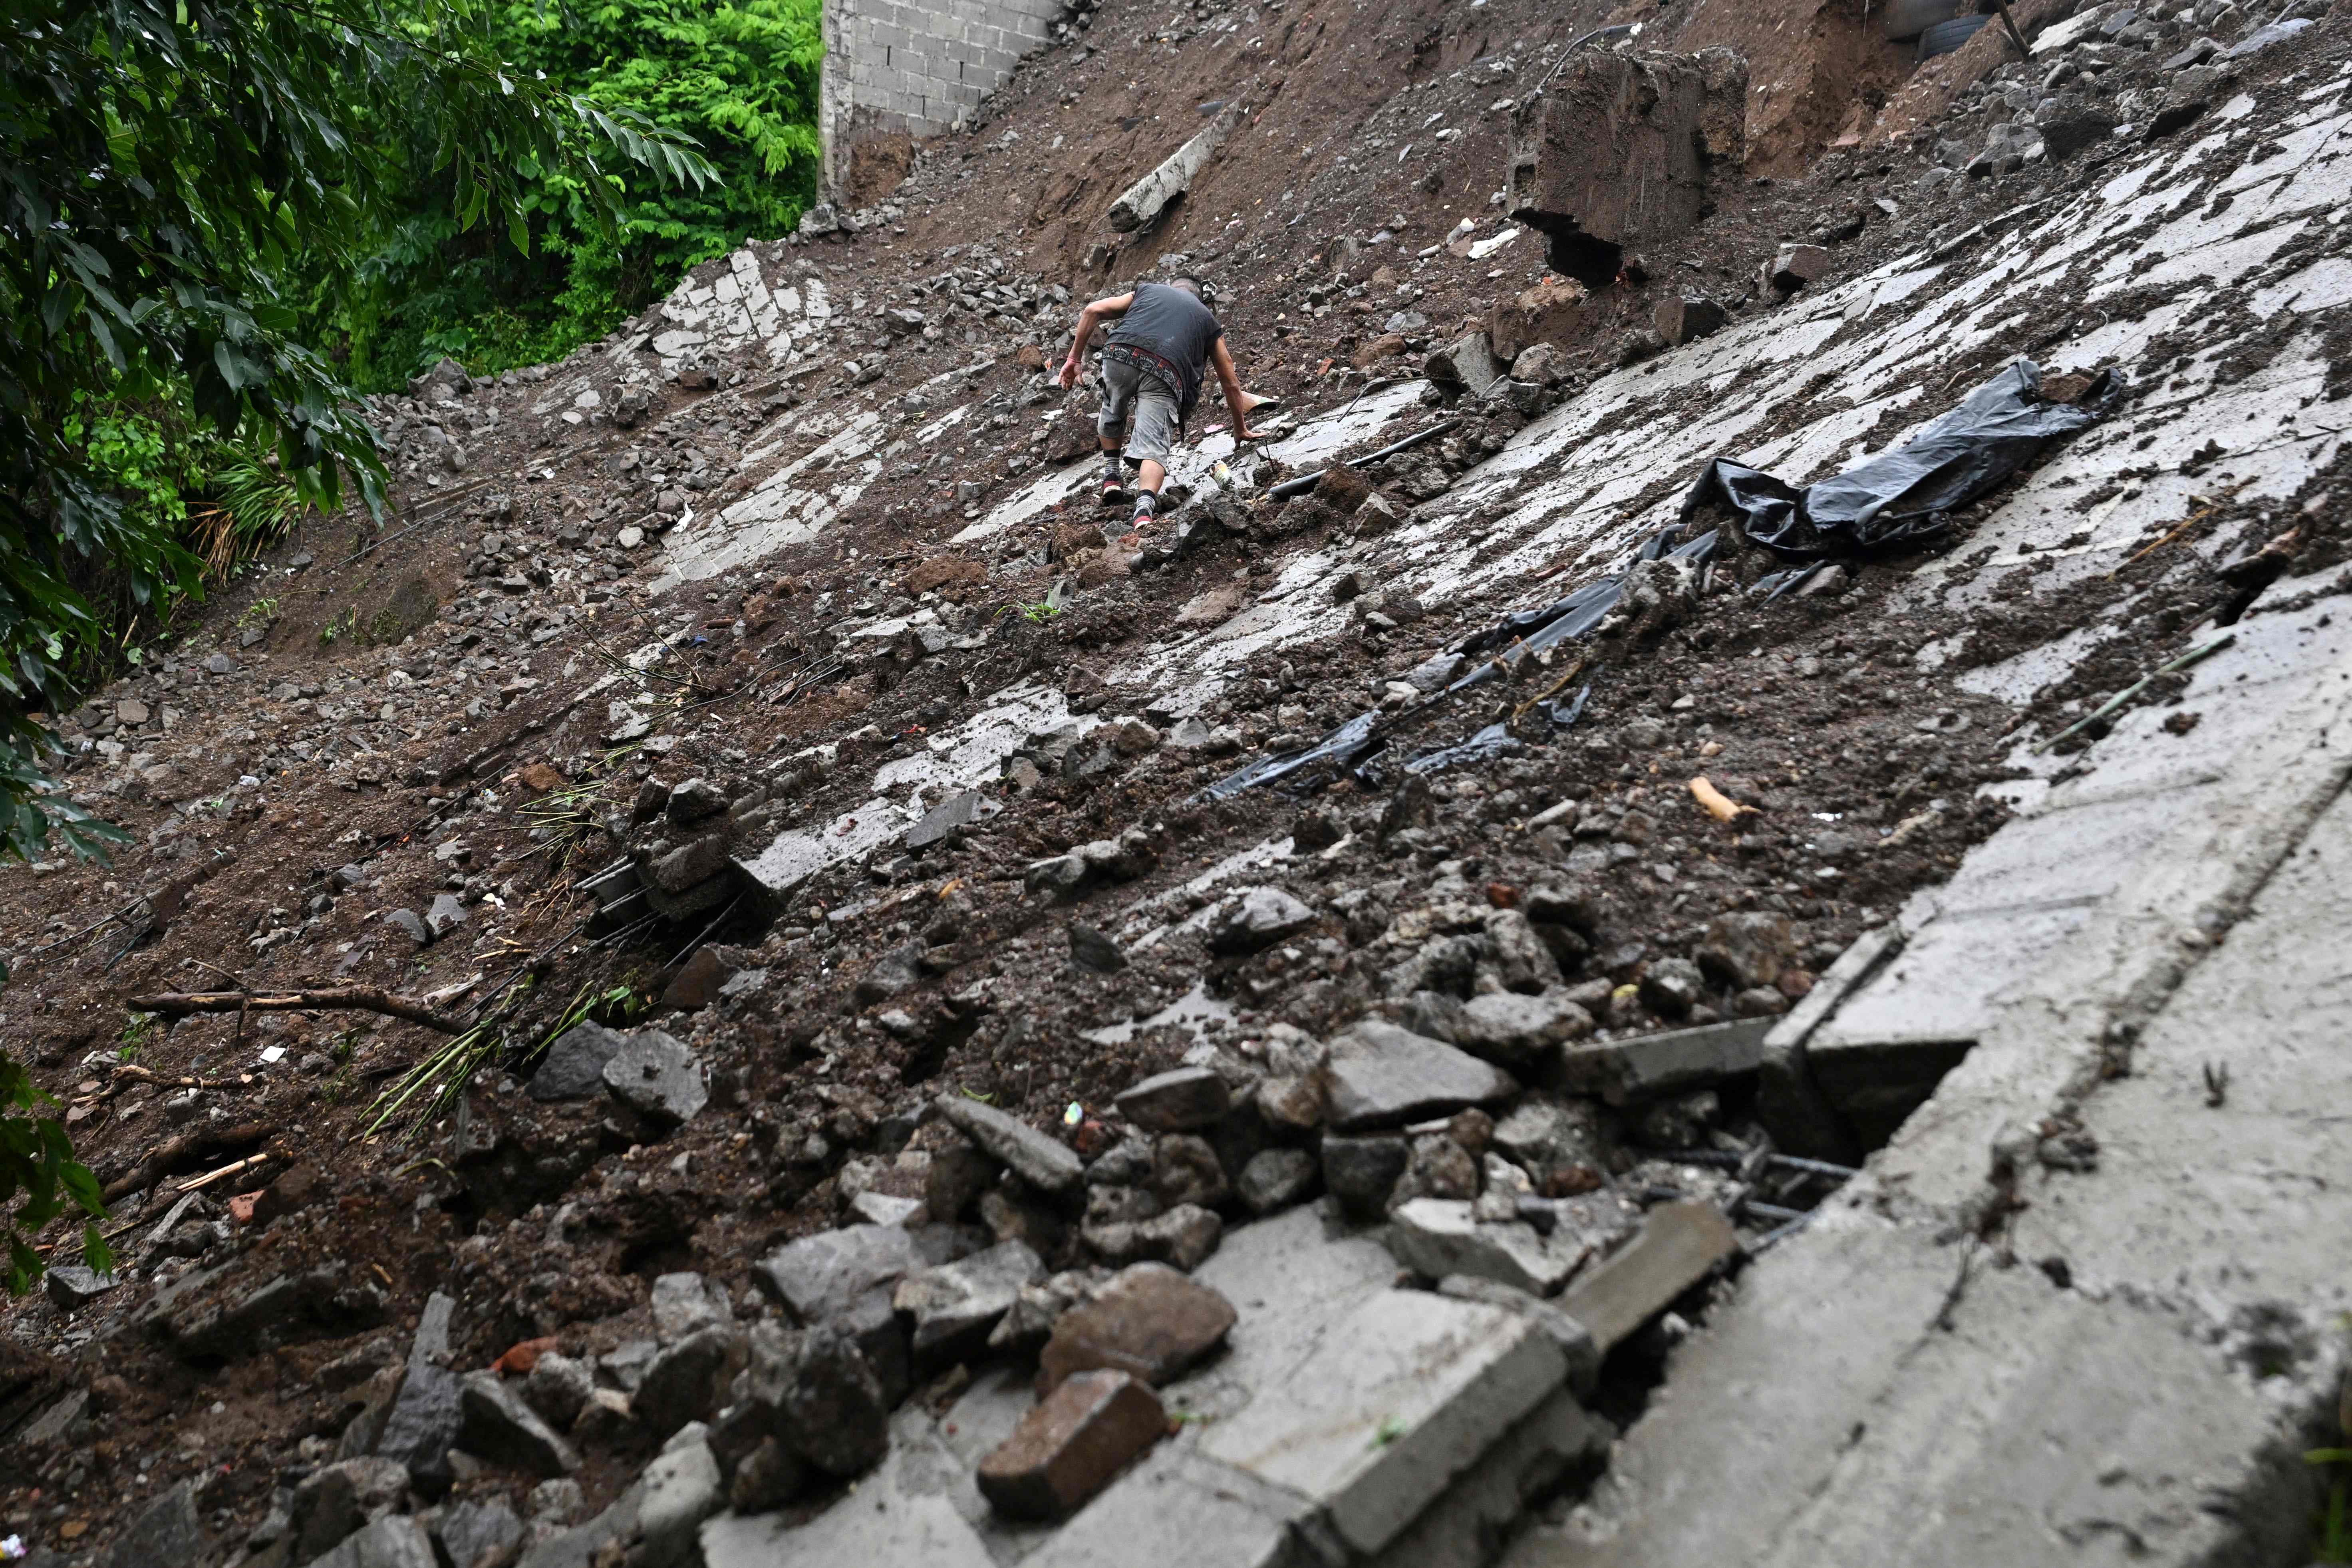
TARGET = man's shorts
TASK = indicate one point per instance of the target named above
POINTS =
(1129, 389)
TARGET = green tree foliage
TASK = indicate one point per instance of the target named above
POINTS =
(39, 1175)
(163, 163)
(738, 77)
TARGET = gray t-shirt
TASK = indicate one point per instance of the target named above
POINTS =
(1175, 332)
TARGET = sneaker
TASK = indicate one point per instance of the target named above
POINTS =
(1114, 490)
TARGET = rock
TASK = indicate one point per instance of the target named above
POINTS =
(1362, 1171)
(1521, 958)
(1037, 1308)
(1091, 949)
(1381, 1074)
(1794, 267)
(73, 1286)
(1438, 1167)
(1041, 1162)
(1685, 317)
(684, 1304)
(476, 1534)
(446, 915)
(1673, 986)
(1149, 1321)
(1558, 1144)
(396, 1540)
(769, 1477)
(1185, 1170)
(834, 1410)
(1540, 364)
(427, 1418)
(819, 1277)
(2072, 124)
(1398, 1397)
(1524, 1032)
(657, 1077)
(1466, 364)
(167, 1530)
(687, 1381)
(1679, 1245)
(1177, 1100)
(695, 800)
(682, 1487)
(559, 1387)
(698, 981)
(1388, 345)
(1437, 1237)
(501, 1428)
(556, 1501)
(1255, 919)
(955, 1305)
(1743, 949)
(1071, 1445)
(1277, 1178)
(408, 923)
(1185, 1237)
(337, 1499)
(1574, 1340)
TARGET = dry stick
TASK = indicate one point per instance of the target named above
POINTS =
(230, 1170)
(362, 998)
(187, 1146)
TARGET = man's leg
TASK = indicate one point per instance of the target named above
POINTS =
(1110, 427)
(1155, 433)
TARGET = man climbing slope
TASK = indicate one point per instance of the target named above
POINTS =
(1165, 341)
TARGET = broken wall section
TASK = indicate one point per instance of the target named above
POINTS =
(1614, 157)
(915, 68)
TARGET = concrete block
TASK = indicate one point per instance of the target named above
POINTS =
(1679, 1245)
(1646, 1065)
(1398, 1399)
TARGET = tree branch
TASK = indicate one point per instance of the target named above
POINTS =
(363, 999)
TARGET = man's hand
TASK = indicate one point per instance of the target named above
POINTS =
(1242, 432)
(1070, 368)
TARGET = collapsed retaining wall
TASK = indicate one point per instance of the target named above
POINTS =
(913, 68)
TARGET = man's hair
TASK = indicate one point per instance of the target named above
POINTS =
(1190, 285)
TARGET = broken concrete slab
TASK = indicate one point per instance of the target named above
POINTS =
(1141, 201)
(1383, 1076)
(1613, 158)
(1678, 1246)
(1438, 1236)
(1530, 1461)
(1644, 1067)
(1401, 1396)
(1575, 1341)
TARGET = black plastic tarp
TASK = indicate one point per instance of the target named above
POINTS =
(1904, 497)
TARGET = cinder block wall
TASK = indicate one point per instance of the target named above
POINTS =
(915, 66)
